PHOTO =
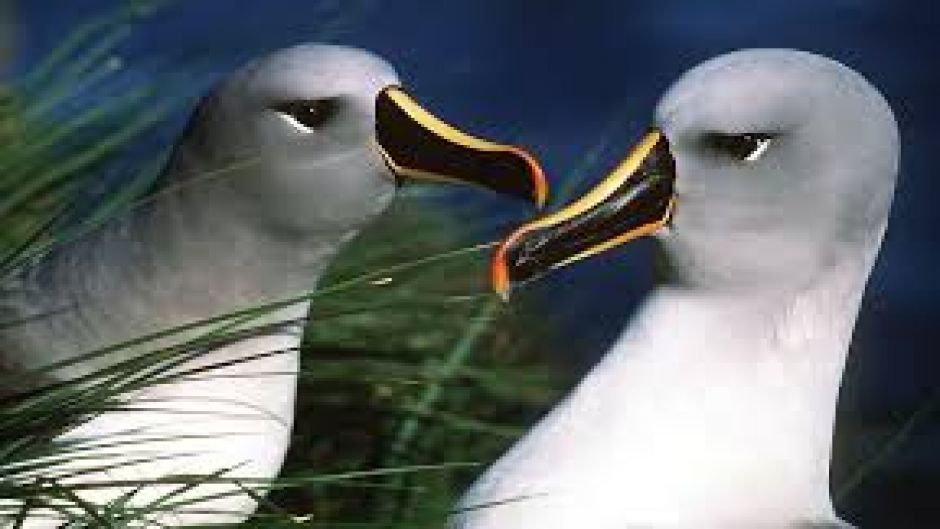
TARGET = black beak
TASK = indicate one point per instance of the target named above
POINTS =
(635, 199)
(417, 145)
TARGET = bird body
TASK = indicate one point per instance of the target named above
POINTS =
(766, 184)
(718, 394)
(204, 244)
(285, 160)
(99, 291)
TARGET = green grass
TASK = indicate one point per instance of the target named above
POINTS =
(412, 373)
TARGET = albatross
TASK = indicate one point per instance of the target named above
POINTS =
(766, 182)
(284, 161)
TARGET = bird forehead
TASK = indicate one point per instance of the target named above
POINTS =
(737, 97)
(315, 71)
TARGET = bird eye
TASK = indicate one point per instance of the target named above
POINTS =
(744, 147)
(309, 114)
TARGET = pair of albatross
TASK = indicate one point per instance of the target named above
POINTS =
(767, 181)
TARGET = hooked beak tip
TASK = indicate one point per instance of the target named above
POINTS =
(499, 267)
(539, 181)
(499, 273)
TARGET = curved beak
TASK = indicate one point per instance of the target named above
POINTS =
(636, 199)
(417, 145)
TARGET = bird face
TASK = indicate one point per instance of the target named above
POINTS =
(785, 161)
(310, 138)
(763, 168)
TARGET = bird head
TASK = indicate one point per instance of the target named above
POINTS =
(317, 137)
(762, 168)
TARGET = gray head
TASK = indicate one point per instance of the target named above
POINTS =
(285, 140)
(765, 168)
(785, 166)
(293, 142)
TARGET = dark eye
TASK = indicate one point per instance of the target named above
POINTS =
(310, 113)
(744, 147)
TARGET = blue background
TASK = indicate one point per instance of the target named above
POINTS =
(576, 82)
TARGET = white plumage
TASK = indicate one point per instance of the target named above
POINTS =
(715, 407)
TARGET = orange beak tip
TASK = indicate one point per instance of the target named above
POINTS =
(539, 182)
(501, 286)
(499, 275)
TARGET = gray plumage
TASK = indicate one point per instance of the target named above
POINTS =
(251, 209)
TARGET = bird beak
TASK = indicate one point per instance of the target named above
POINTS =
(636, 199)
(417, 145)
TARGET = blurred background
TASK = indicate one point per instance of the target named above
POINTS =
(576, 82)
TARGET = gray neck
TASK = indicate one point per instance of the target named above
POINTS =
(180, 258)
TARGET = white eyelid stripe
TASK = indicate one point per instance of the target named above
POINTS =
(762, 146)
(295, 123)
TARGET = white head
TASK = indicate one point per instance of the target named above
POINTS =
(764, 169)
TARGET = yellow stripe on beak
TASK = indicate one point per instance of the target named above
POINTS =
(417, 145)
(634, 200)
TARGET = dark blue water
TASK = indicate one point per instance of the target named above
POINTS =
(569, 78)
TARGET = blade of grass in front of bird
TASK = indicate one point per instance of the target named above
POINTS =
(77, 162)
